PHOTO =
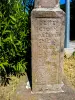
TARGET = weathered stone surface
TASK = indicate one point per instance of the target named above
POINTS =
(46, 3)
(47, 50)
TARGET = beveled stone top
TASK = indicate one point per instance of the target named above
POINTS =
(46, 3)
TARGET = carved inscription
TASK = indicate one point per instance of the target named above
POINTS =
(48, 37)
(48, 49)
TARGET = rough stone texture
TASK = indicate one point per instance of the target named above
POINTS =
(47, 50)
(46, 3)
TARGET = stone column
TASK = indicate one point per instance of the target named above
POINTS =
(47, 37)
(46, 3)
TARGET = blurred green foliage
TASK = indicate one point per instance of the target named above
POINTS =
(14, 38)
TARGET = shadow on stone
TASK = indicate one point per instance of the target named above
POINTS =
(29, 69)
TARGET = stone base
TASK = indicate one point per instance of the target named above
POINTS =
(56, 88)
(22, 93)
(56, 96)
(68, 94)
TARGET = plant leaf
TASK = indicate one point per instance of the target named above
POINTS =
(13, 18)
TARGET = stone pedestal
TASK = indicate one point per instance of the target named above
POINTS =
(46, 3)
(47, 37)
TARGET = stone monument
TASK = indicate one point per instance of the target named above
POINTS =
(47, 37)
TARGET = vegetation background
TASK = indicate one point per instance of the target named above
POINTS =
(14, 37)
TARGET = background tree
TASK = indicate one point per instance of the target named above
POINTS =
(14, 41)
